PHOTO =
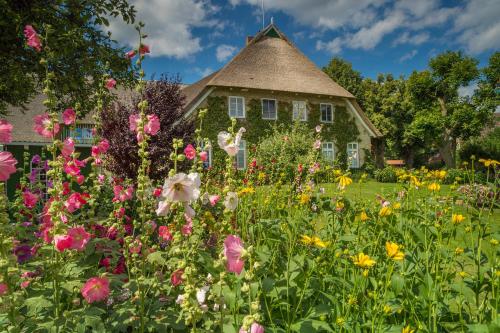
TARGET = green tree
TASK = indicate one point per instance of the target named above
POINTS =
(341, 71)
(80, 51)
(438, 88)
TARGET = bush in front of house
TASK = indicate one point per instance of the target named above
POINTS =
(487, 147)
(386, 175)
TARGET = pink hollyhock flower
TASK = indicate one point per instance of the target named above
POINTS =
(133, 119)
(153, 125)
(120, 213)
(157, 192)
(318, 128)
(130, 54)
(33, 40)
(95, 151)
(300, 168)
(143, 49)
(234, 251)
(317, 144)
(176, 277)
(226, 142)
(44, 127)
(80, 179)
(254, 328)
(101, 179)
(79, 237)
(75, 201)
(204, 156)
(214, 199)
(103, 146)
(5, 131)
(190, 152)
(62, 242)
(95, 289)
(105, 262)
(68, 147)
(71, 169)
(110, 83)
(29, 199)
(25, 284)
(7, 165)
(136, 246)
(4, 289)
(187, 228)
(121, 194)
(69, 116)
(164, 233)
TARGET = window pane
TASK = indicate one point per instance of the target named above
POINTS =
(326, 113)
(241, 156)
(268, 109)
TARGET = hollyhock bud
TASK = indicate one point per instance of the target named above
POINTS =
(110, 83)
(190, 152)
(80, 179)
(69, 116)
(5, 131)
(95, 289)
(176, 277)
(62, 242)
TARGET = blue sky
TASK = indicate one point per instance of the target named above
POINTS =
(193, 38)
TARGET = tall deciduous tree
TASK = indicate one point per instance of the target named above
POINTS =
(438, 88)
(166, 100)
(341, 71)
(79, 49)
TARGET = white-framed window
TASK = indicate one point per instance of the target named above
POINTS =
(353, 155)
(236, 107)
(326, 111)
(269, 109)
(299, 110)
(39, 176)
(328, 151)
(241, 156)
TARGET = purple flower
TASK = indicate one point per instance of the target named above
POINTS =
(36, 159)
(23, 253)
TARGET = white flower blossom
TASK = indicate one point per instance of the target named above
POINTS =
(231, 201)
(226, 142)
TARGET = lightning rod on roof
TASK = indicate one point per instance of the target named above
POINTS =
(272, 20)
(263, 15)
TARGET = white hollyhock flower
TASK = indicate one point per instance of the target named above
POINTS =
(226, 142)
(201, 294)
(231, 201)
(180, 188)
(180, 299)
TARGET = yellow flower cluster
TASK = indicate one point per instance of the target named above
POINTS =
(314, 240)
(434, 187)
(457, 218)
(344, 181)
(246, 190)
(489, 162)
(363, 260)
(393, 251)
(385, 211)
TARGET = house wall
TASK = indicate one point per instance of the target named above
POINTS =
(217, 118)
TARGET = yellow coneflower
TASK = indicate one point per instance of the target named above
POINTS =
(246, 190)
(393, 252)
(304, 199)
(339, 205)
(385, 211)
(363, 260)
(489, 162)
(396, 206)
(408, 329)
(459, 251)
(363, 216)
(344, 181)
(316, 241)
(457, 218)
(434, 187)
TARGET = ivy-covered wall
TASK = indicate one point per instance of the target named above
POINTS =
(344, 129)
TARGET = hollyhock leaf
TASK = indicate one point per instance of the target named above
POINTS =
(36, 305)
(156, 258)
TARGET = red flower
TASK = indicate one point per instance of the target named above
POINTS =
(164, 233)
(190, 152)
(176, 277)
(75, 201)
(95, 289)
(110, 83)
(29, 199)
(130, 54)
(79, 238)
(69, 116)
(32, 38)
(62, 242)
(144, 49)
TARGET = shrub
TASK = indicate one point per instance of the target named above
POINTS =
(386, 175)
(487, 147)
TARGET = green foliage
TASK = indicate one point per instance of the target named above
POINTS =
(80, 51)
(386, 175)
(341, 71)
(487, 147)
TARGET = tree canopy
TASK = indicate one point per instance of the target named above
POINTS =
(79, 50)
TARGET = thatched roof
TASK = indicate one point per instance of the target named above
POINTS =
(270, 61)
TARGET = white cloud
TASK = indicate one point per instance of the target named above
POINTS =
(169, 25)
(478, 25)
(406, 38)
(203, 71)
(224, 52)
(369, 37)
(467, 90)
(408, 56)
(334, 46)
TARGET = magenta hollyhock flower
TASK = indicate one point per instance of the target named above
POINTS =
(157, 192)
(33, 40)
(79, 237)
(214, 199)
(110, 83)
(96, 289)
(190, 152)
(23, 253)
(80, 179)
(4, 289)
(5, 131)
(153, 125)
(7, 165)
(68, 147)
(29, 199)
(133, 119)
(101, 179)
(44, 127)
(164, 233)
(36, 159)
(130, 54)
(75, 201)
(62, 242)
(143, 49)
(103, 146)
(69, 116)
(176, 277)
(204, 156)
(233, 251)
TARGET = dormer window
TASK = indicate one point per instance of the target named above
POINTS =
(236, 107)
(269, 109)
(299, 110)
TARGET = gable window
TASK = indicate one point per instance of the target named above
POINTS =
(299, 110)
(241, 156)
(236, 107)
(326, 111)
(328, 151)
(269, 110)
(353, 155)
